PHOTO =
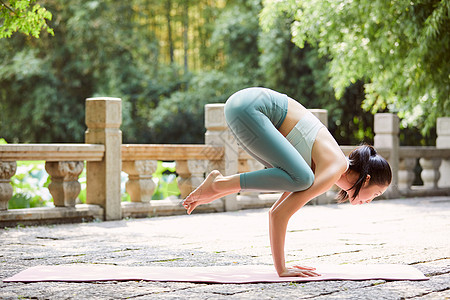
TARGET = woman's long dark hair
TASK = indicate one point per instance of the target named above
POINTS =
(366, 161)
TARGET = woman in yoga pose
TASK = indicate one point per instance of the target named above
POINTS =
(302, 160)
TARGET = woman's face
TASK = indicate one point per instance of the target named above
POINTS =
(367, 194)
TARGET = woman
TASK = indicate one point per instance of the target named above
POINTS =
(302, 159)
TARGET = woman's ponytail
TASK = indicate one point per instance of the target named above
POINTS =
(366, 161)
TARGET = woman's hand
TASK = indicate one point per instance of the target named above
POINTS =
(299, 271)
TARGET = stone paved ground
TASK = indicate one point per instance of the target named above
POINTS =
(409, 231)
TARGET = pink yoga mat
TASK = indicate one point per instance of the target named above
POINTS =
(212, 274)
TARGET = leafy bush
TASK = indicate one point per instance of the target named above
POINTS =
(165, 178)
(30, 185)
(179, 118)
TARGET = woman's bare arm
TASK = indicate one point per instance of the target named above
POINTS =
(283, 209)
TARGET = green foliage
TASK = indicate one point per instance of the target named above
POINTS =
(122, 49)
(19, 15)
(179, 118)
(166, 181)
(235, 36)
(400, 49)
(98, 49)
(303, 75)
(299, 73)
(29, 186)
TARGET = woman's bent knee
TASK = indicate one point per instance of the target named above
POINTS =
(303, 182)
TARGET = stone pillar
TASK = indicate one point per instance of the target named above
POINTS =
(430, 172)
(321, 114)
(103, 119)
(325, 198)
(216, 129)
(140, 185)
(218, 134)
(197, 169)
(386, 128)
(7, 170)
(443, 141)
(64, 185)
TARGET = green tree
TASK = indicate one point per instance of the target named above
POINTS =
(235, 37)
(19, 15)
(179, 118)
(299, 73)
(124, 49)
(303, 75)
(399, 49)
(98, 49)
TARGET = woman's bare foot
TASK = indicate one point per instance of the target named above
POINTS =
(207, 192)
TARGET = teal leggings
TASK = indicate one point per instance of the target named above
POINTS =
(254, 116)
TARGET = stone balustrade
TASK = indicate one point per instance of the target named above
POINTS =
(64, 163)
(429, 160)
(105, 157)
(140, 162)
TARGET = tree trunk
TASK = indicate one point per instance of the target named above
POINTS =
(185, 34)
(169, 29)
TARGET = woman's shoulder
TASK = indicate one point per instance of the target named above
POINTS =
(327, 152)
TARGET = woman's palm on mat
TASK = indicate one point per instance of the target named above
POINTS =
(299, 271)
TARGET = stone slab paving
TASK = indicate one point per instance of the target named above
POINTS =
(404, 231)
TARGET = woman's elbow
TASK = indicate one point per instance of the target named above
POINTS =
(275, 214)
(272, 213)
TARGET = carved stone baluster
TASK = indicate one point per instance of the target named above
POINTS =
(64, 186)
(184, 178)
(430, 172)
(140, 185)
(406, 173)
(7, 170)
(197, 169)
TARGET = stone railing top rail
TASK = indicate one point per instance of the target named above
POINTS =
(346, 149)
(52, 152)
(170, 152)
(423, 152)
(94, 152)
(349, 148)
